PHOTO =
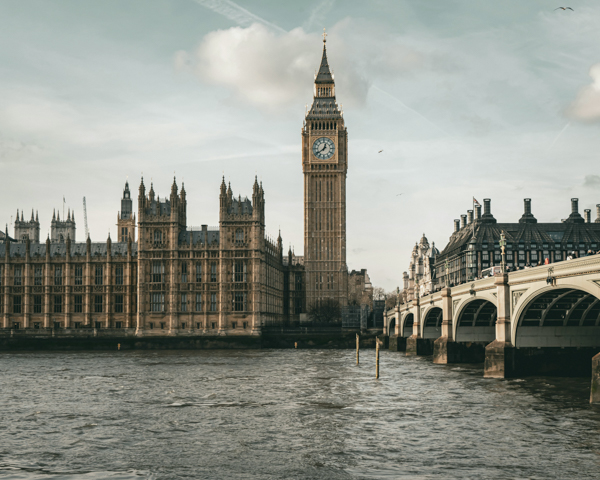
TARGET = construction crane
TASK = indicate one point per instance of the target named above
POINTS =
(87, 232)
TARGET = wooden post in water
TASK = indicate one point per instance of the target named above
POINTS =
(376, 358)
(357, 346)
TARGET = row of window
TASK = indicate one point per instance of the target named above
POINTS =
(239, 302)
(199, 325)
(57, 304)
(240, 272)
(38, 275)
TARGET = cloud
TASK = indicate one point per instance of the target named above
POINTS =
(264, 68)
(586, 106)
(270, 69)
(592, 181)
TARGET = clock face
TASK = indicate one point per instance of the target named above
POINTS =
(323, 148)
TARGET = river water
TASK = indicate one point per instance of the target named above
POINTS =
(270, 414)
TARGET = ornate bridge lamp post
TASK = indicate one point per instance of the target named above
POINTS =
(503, 249)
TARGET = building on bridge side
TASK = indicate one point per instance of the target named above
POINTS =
(474, 244)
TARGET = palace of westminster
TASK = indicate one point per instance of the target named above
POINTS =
(162, 277)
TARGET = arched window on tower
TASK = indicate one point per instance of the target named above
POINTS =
(157, 236)
(239, 235)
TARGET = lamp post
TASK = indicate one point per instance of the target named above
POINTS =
(502, 244)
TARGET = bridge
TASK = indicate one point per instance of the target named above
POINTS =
(539, 320)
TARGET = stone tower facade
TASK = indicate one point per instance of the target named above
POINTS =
(126, 218)
(27, 230)
(61, 230)
(325, 165)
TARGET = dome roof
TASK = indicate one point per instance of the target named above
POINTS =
(433, 252)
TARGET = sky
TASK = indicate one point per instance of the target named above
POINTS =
(466, 99)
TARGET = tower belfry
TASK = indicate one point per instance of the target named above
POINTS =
(325, 165)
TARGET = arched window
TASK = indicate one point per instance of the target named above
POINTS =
(157, 236)
(239, 235)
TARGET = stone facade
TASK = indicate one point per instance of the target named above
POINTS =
(420, 278)
(325, 165)
(126, 217)
(174, 280)
(27, 229)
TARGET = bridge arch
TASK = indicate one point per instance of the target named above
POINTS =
(475, 321)
(431, 324)
(558, 316)
(407, 325)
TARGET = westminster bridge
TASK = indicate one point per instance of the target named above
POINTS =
(543, 320)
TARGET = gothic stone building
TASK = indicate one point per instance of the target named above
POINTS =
(174, 280)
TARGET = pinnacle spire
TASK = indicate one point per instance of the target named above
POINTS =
(324, 75)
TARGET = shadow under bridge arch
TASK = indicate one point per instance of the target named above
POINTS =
(408, 321)
(477, 322)
(563, 317)
(432, 325)
(392, 326)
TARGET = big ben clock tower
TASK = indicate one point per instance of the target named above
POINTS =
(325, 164)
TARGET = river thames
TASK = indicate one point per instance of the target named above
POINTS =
(270, 414)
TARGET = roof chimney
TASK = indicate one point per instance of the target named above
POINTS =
(470, 216)
(477, 212)
(597, 213)
(527, 215)
(463, 221)
(487, 211)
(575, 217)
(456, 225)
(587, 215)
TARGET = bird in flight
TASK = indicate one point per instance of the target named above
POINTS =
(564, 8)
(380, 151)
(399, 194)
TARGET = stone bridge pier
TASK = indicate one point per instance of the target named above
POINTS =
(538, 321)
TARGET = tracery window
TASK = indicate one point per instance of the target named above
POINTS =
(239, 235)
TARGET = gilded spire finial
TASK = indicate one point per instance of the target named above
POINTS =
(324, 36)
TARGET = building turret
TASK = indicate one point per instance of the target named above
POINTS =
(61, 229)
(27, 230)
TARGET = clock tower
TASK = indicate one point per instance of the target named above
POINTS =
(325, 164)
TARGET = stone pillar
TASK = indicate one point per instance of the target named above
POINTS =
(414, 343)
(595, 392)
(500, 355)
(128, 293)
(27, 286)
(47, 286)
(87, 282)
(443, 347)
(67, 284)
(5, 281)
